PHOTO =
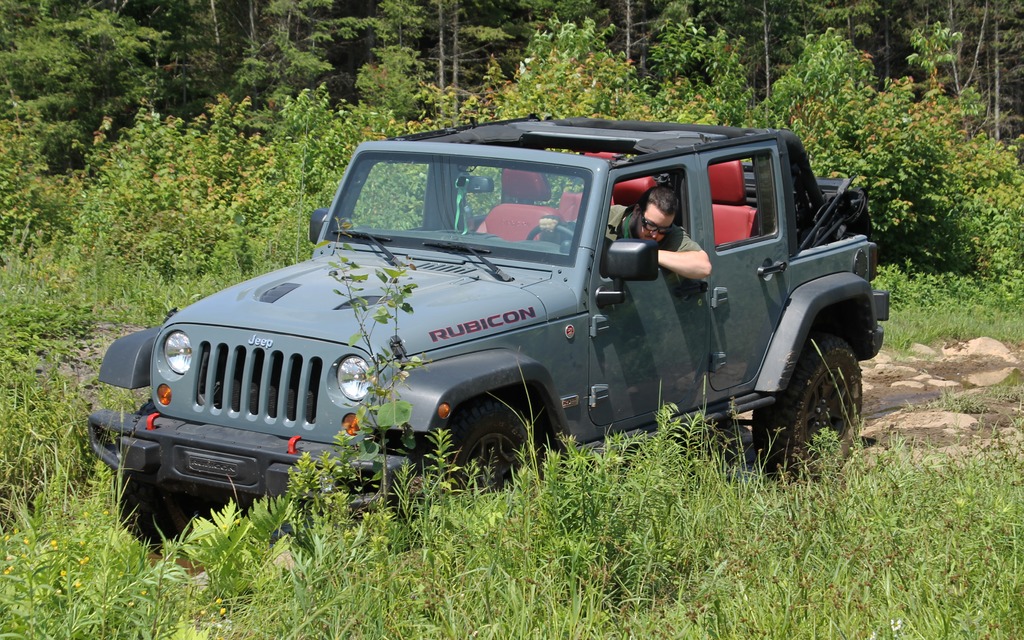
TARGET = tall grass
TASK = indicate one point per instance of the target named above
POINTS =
(651, 538)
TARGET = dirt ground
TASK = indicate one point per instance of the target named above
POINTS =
(956, 399)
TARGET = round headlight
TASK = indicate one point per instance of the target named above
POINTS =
(178, 352)
(353, 378)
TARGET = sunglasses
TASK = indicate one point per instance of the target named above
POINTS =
(653, 228)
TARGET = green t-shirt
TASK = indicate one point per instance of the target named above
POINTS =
(675, 240)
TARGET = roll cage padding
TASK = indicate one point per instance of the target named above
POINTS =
(461, 378)
(126, 363)
(840, 303)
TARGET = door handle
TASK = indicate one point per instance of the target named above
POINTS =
(768, 269)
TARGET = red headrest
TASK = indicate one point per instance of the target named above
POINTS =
(727, 185)
(524, 186)
(628, 192)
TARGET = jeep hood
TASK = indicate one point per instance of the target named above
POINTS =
(309, 300)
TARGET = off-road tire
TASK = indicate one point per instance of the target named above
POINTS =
(145, 511)
(490, 437)
(823, 393)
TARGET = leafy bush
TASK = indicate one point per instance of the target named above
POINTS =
(698, 77)
(238, 550)
(31, 201)
(940, 200)
(185, 197)
(567, 70)
(993, 209)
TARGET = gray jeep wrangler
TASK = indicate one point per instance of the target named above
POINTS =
(585, 335)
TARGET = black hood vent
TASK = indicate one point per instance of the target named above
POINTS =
(274, 294)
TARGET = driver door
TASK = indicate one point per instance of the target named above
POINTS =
(652, 347)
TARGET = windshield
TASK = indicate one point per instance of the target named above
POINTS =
(508, 209)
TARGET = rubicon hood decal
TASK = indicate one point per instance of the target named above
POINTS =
(481, 324)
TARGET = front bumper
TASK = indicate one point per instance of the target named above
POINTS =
(210, 461)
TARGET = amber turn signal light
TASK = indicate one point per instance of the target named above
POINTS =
(163, 395)
(351, 424)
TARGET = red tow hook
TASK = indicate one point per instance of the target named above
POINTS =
(291, 444)
(149, 421)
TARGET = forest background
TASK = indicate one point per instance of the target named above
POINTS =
(194, 136)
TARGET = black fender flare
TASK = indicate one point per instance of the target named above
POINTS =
(805, 309)
(461, 378)
(127, 360)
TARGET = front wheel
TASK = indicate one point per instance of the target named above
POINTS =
(146, 511)
(490, 437)
(824, 394)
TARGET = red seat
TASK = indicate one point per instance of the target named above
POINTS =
(524, 186)
(513, 221)
(734, 218)
(518, 214)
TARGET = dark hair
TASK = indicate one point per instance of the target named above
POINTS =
(662, 197)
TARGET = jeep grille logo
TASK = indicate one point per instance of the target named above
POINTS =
(257, 341)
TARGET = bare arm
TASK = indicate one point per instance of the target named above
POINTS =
(689, 264)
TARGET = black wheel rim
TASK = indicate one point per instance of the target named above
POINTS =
(495, 456)
(827, 408)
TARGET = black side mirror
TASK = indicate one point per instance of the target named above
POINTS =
(630, 259)
(626, 259)
(317, 220)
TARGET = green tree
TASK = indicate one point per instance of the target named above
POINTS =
(568, 10)
(393, 81)
(568, 70)
(286, 46)
(66, 68)
(705, 72)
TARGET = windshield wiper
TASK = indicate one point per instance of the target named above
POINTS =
(375, 240)
(455, 247)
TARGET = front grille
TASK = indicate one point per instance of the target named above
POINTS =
(253, 381)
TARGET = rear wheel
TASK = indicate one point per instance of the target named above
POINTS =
(490, 437)
(824, 394)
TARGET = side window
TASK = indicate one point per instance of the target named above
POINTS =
(629, 192)
(743, 199)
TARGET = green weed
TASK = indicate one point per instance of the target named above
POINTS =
(960, 402)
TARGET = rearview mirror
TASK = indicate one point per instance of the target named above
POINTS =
(475, 184)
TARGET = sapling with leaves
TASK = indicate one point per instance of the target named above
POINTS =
(383, 409)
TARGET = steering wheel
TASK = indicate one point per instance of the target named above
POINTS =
(560, 227)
